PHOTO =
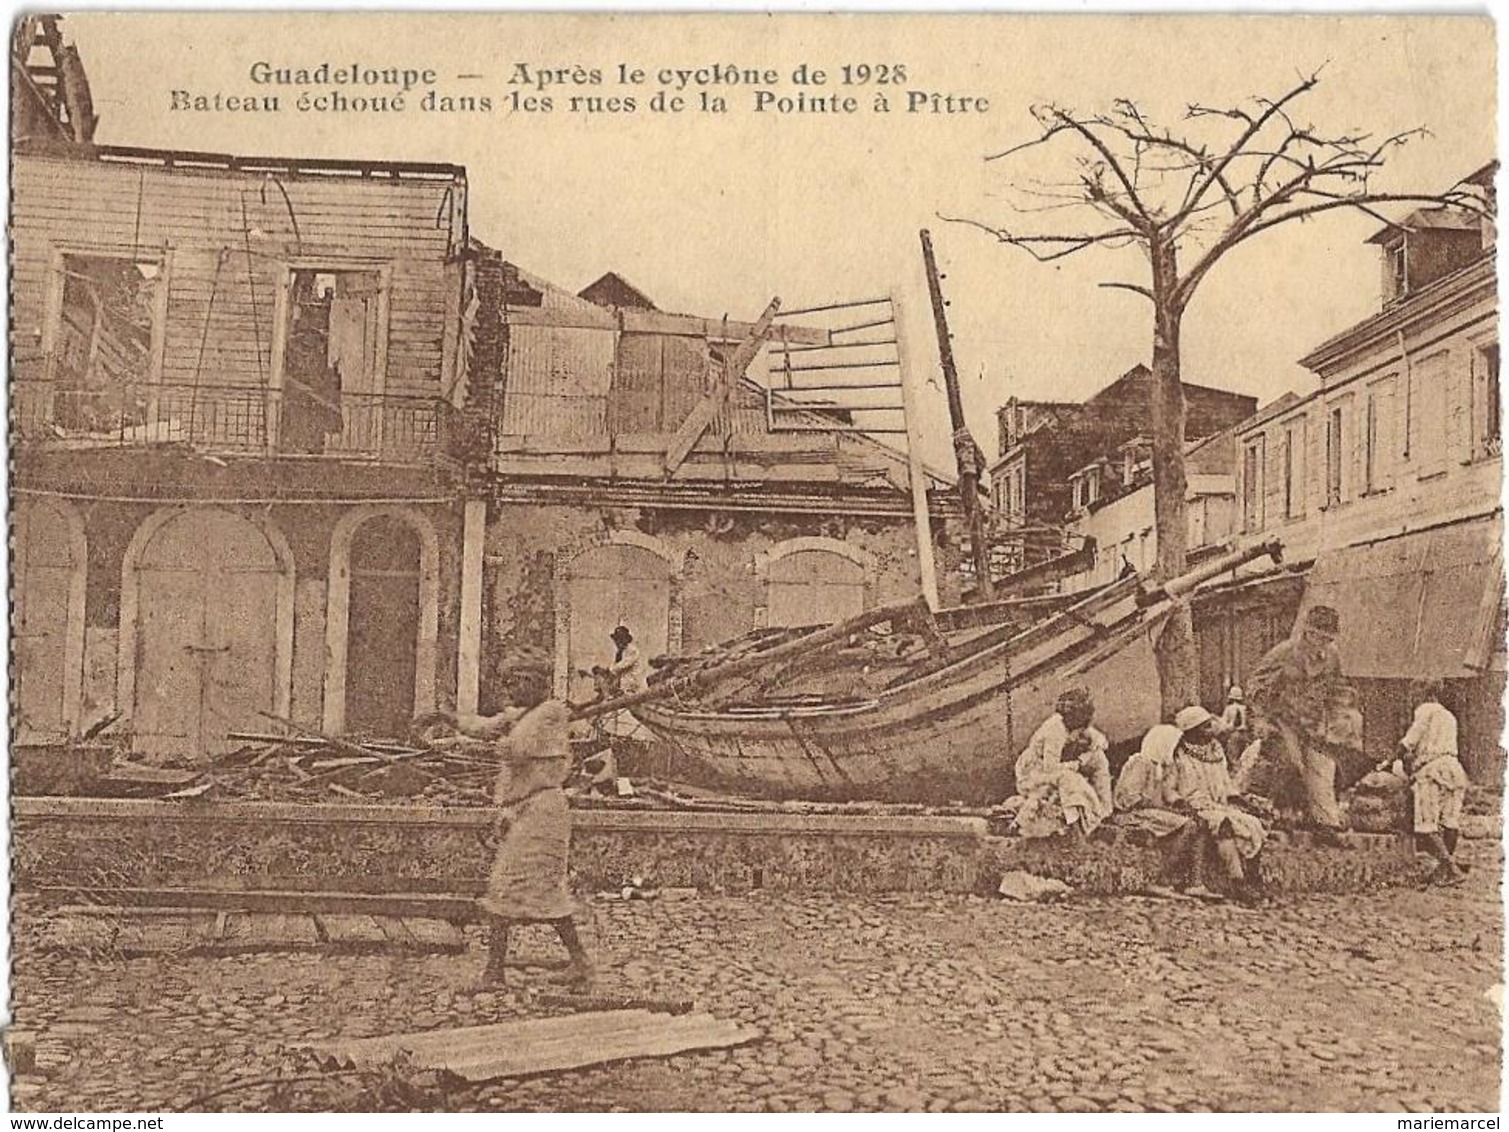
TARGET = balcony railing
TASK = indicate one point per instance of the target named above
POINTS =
(231, 420)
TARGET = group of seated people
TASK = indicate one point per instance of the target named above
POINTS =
(1177, 789)
(1180, 790)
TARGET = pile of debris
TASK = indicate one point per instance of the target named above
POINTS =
(283, 768)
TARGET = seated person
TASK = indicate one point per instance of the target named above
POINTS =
(1202, 787)
(1143, 802)
(1063, 780)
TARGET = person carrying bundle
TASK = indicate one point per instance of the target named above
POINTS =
(528, 879)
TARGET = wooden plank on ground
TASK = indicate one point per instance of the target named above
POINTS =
(352, 930)
(372, 1051)
(660, 1036)
(433, 934)
(544, 1045)
(453, 906)
(595, 1000)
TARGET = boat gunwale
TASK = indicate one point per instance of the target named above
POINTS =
(923, 683)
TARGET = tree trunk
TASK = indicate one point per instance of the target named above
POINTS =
(1178, 659)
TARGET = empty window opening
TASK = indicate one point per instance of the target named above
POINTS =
(330, 373)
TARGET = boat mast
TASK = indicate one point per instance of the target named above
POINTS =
(916, 474)
(964, 443)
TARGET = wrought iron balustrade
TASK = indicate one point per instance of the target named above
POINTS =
(230, 420)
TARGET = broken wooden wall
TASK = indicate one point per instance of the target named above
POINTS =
(225, 237)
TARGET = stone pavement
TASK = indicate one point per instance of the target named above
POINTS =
(1380, 1001)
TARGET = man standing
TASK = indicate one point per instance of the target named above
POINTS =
(1291, 693)
(1437, 779)
(627, 675)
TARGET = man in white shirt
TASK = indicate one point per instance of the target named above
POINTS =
(628, 674)
(1437, 779)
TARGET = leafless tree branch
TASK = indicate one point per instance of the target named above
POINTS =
(1046, 249)
(1274, 168)
(1135, 288)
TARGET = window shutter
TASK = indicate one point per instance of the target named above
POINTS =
(1315, 470)
(1459, 394)
(1428, 448)
(1357, 423)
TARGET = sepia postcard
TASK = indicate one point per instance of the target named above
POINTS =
(754, 563)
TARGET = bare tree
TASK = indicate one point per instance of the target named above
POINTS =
(1185, 198)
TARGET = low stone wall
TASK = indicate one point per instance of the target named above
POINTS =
(1119, 862)
(114, 844)
(150, 850)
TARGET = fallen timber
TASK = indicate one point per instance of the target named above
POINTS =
(942, 723)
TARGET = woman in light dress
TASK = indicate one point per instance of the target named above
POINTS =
(1202, 787)
(1063, 780)
(528, 881)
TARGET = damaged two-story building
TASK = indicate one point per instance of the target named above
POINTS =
(289, 445)
(232, 381)
(1059, 462)
(629, 487)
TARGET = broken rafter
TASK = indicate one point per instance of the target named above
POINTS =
(710, 406)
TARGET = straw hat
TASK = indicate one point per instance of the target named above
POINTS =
(1191, 717)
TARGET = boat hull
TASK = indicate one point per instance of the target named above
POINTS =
(952, 736)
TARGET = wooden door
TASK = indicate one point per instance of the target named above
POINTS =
(612, 586)
(382, 628)
(814, 587)
(206, 644)
(45, 573)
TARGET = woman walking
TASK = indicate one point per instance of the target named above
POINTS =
(527, 883)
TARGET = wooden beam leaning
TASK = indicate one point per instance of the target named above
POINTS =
(707, 409)
(817, 639)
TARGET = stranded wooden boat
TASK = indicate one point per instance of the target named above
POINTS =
(934, 709)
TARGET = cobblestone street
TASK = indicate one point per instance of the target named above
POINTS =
(1380, 1001)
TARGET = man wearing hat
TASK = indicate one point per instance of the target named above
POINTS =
(624, 677)
(1202, 786)
(1291, 690)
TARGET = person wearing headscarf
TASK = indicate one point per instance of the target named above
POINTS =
(1063, 780)
(1145, 801)
(1202, 786)
(1292, 690)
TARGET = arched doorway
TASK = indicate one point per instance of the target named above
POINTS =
(616, 584)
(814, 587)
(203, 607)
(48, 620)
(382, 617)
(382, 626)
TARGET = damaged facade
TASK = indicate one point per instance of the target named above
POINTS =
(617, 496)
(287, 442)
(230, 407)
